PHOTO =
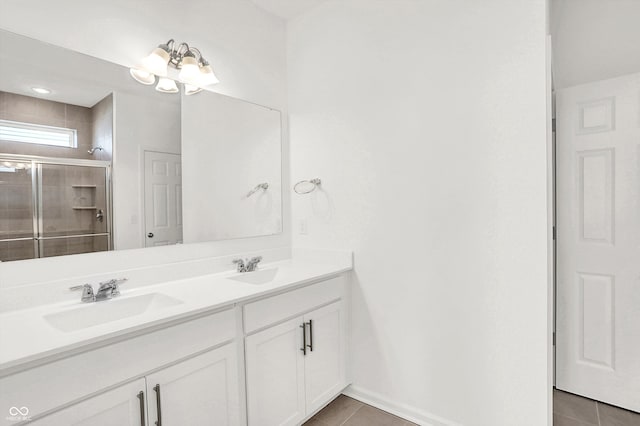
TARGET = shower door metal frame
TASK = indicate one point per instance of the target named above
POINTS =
(36, 193)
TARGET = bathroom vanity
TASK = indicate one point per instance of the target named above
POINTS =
(258, 348)
(172, 336)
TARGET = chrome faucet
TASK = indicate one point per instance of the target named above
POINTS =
(106, 290)
(247, 265)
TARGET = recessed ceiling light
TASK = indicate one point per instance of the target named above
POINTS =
(41, 90)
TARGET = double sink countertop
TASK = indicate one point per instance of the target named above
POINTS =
(35, 335)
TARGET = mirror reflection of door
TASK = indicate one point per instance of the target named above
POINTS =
(162, 198)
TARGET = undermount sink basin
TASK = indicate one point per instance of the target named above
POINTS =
(96, 313)
(262, 276)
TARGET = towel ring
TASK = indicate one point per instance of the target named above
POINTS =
(264, 186)
(307, 186)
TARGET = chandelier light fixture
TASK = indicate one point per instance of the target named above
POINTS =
(195, 71)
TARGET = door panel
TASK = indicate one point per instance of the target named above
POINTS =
(71, 198)
(200, 391)
(73, 245)
(325, 363)
(18, 249)
(73, 209)
(120, 406)
(598, 228)
(275, 375)
(163, 198)
(17, 226)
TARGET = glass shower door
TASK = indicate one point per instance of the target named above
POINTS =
(17, 211)
(73, 210)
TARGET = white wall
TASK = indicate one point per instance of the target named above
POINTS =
(245, 45)
(425, 121)
(228, 147)
(142, 122)
(594, 40)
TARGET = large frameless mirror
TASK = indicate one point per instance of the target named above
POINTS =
(91, 160)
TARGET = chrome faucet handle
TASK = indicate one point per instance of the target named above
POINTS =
(110, 288)
(87, 292)
(115, 285)
(253, 263)
(240, 264)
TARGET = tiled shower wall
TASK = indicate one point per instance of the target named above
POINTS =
(72, 195)
(102, 128)
(41, 111)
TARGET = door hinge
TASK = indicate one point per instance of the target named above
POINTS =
(554, 233)
(553, 124)
(554, 338)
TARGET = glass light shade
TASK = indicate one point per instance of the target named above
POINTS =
(166, 85)
(156, 62)
(142, 76)
(191, 90)
(207, 76)
(190, 71)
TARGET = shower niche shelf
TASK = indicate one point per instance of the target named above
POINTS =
(84, 197)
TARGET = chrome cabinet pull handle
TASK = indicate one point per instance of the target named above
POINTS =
(158, 405)
(141, 398)
(304, 338)
(310, 345)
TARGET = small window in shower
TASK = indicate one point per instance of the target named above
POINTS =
(14, 131)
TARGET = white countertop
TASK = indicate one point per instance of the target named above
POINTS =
(26, 337)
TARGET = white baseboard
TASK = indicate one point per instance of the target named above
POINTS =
(404, 411)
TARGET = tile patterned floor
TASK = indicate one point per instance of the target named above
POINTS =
(574, 410)
(345, 411)
(568, 410)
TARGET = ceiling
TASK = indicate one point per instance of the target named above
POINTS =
(594, 40)
(287, 9)
(72, 78)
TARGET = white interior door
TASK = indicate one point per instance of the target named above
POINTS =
(162, 198)
(598, 264)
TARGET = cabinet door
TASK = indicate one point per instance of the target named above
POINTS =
(325, 361)
(121, 406)
(275, 375)
(199, 391)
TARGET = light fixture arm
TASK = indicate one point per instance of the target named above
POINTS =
(201, 60)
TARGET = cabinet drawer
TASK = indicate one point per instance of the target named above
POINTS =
(269, 311)
(60, 382)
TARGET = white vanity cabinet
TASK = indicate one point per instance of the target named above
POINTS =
(268, 361)
(297, 365)
(324, 363)
(275, 375)
(194, 362)
(199, 391)
(122, 406)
